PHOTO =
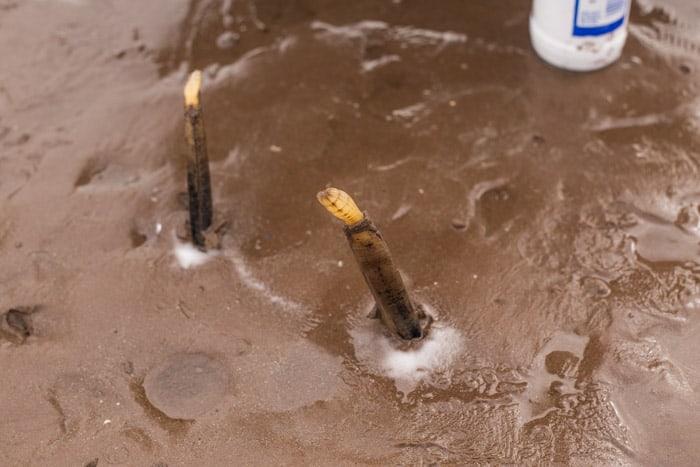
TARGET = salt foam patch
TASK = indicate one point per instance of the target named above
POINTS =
(407, 364)
(188, 255)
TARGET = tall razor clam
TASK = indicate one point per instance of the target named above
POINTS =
(393, 305)
(198, 180)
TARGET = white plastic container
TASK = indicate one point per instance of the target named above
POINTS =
(579, 35)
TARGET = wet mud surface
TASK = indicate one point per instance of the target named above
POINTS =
(549, 222)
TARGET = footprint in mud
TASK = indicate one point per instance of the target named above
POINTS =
(101, 171)
(497, 209)
(147, 231)
(94, 408)
(492, 203)
(16, 324)
(92, 168)
(186, 386)
(137, 237)
(83, 403)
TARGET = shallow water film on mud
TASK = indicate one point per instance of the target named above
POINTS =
(548, 222)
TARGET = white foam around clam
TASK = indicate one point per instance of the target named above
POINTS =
(188, 255)
(407, 364)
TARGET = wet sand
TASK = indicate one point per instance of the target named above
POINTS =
(549, 222)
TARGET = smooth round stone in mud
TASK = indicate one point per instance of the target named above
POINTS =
(186, 385)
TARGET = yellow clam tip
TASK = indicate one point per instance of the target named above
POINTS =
(341, 205)
(192, 88)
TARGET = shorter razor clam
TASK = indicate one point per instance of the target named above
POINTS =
(198, 181)
(393, 306)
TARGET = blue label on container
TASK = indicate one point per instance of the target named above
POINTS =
(598, 17)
